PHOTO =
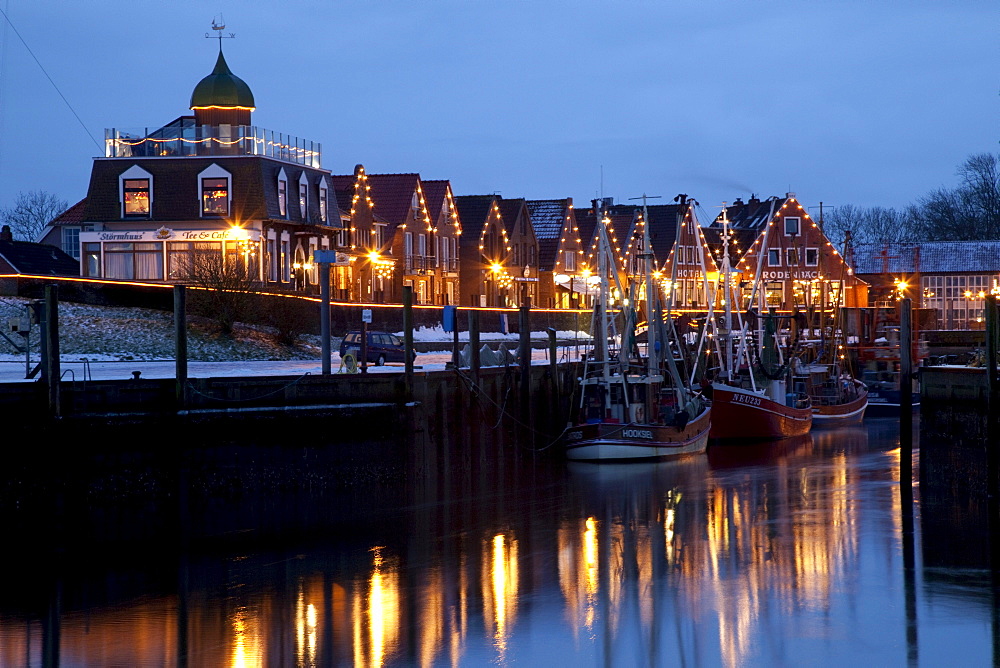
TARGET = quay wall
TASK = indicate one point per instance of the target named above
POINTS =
(351, 405)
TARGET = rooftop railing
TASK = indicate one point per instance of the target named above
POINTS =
(211, 140)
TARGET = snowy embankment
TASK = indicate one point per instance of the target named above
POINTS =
(114, 333)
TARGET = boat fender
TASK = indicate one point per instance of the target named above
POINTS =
(638, 413)
(681, 420)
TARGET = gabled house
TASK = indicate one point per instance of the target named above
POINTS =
(447, 231)
(621, 220)
(484, 253)
(689, 276)
(562, 272)
(208, 184)
(523, 264)
(797, 267)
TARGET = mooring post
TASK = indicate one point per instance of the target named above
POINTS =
(408, 338)
(906, 399)
(180, 347)
(474, 344)
(524, 355)
(324, 316)
(51, 362)
(991, 350)
(553, 365)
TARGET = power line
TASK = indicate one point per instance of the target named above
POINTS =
(68, 105)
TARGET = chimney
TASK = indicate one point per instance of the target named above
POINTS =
(753, 201)
(5, 234)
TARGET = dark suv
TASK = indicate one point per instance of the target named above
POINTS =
(382, 347)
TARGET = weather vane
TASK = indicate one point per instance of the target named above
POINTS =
(218, 28)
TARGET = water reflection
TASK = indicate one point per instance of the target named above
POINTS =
(774, 554)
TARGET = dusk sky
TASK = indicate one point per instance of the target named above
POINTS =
(866, 103)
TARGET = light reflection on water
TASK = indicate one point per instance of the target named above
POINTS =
(771, 554)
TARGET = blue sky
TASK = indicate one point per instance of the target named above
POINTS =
(845, 102)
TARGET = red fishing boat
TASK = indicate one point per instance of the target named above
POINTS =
(739, 413)
(757, 395)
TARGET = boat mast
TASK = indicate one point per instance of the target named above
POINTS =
(603, 246)
(729, 362)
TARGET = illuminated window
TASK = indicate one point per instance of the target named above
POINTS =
(322, 201)
(774, 257)
(135, 195)
(215, 197)
(775, 292)
(812, 257)
(135, 192)
(215, 191)
(791, 226)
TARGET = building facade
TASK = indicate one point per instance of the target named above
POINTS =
(207, 185)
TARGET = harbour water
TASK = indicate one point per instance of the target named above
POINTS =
(472, 548)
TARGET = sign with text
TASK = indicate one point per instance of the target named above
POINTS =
(366, 315)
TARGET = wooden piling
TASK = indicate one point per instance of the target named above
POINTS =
(324, 316)
(408, 338)
(180, 347)
(53, 373)
(474, 344)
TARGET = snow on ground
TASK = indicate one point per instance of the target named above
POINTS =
(113, 341)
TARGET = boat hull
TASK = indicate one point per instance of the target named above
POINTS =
(606, 441)
(842, 415)
(885, 403)
(740, 414)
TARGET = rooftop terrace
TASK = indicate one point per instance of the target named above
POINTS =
(183, 138)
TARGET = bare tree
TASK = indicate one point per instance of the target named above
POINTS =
(32, 211)
(875, 224)
(225, 291)
(969, 212)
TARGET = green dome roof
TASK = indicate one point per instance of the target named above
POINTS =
(222, 88)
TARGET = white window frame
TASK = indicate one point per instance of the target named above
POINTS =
(213, 171)
(815, 253)
(798, 226)
(303, 196)
(137, 172)
(789, 252)
(773, 253)
(282, 194)
(68, 247)
(324, 203)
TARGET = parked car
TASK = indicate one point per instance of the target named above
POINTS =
(382, 347)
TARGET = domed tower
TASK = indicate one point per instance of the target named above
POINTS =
(222, 98)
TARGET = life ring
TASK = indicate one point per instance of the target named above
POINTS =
(348, 364)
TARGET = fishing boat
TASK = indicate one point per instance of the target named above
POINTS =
(633, 406)
(756, 395)
(838, 398)
(881, 371)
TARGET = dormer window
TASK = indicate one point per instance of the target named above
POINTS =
(135, 192)
(303, 195)
(322, 201)
(135, 198)
(215, 197)
(215, 191)
(282, 194)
